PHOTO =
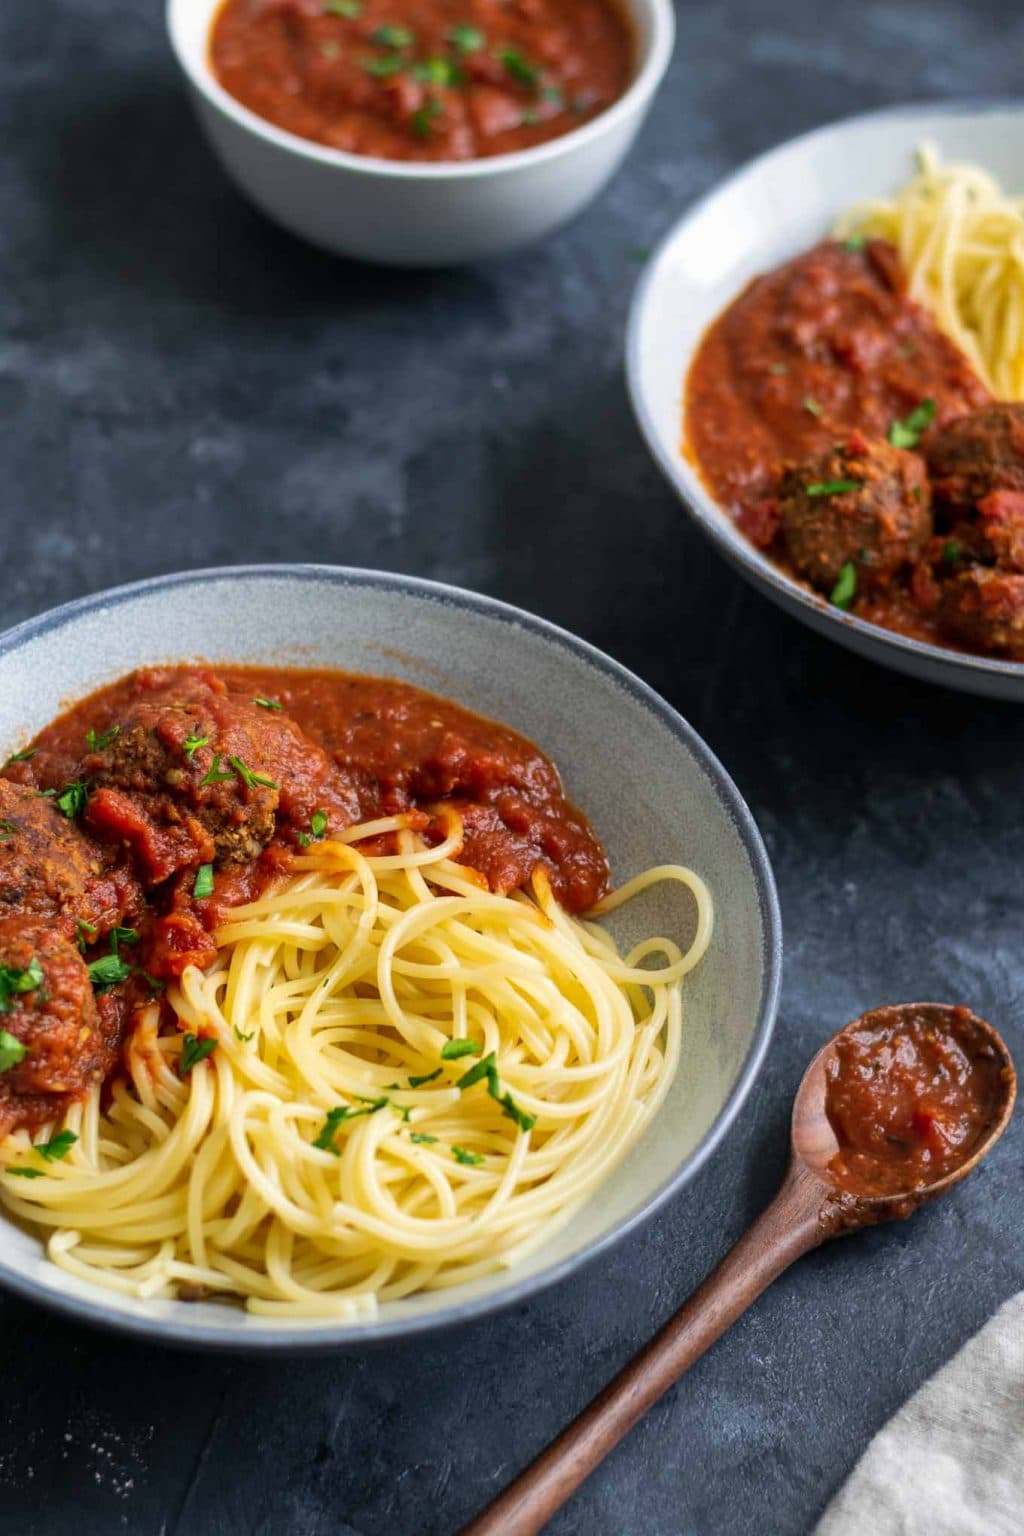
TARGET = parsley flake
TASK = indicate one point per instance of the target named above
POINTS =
(216, 775)
(468, 1159)
(392, 36)
(191, 745)
(72, 798)
(453, 1049)
(21, 757)
(466, 39)
(108, 971)
(84, 933)
(486, 1067)
(350, 9)
(422, 1139)
(906, 433)
(203, 882)
(26, 1173)
(422, 119)
(248, 777)
(832, 487)
(58, 1147)
(845, 589)
(428, 1077)
(811, 405)
(518, 66)
(267, 703)
(195, 1049)
(15, 980)
(335, 1117)
(11, 1050)
(99, 743)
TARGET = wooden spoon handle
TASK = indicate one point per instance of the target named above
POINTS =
(790, 1227)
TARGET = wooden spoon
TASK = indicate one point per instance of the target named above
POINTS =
(810, 1207)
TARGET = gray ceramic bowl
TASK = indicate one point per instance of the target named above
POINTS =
(648, 782)
(769, 211)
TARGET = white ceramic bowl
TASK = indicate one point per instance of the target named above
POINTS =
(769, 211)
(650, 785)
(414, 215)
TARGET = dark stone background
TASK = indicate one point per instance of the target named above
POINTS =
(180, 385)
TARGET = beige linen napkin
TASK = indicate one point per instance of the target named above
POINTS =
(951, 1462)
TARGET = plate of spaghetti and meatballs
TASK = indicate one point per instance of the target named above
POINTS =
(841, 401)
(324, 1006)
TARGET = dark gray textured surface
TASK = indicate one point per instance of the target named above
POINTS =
(180, 385)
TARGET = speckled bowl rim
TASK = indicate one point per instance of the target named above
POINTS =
(705, 511)
(334, 1336)
(648, 73)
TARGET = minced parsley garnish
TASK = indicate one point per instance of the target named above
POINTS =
(951, 551)
(779, 368)
(268, 703)
(832, 487)
(15, 980)
(84, 933)
(203, 882)
(195, 1049)
(11, 1050)
(216, 774)
(906, 433)
(437, 72)
(469, 1159)
(317, 828)
(428, 1077)
(466, 39)
(855, 242)
(119, 936)
(58, 1147)
(453, 1049)
(191, 744)
(335, 1117)
(243, 1038)
(7, 830)
(248, 777)
(518, 66)
(811, 405)
(26, 1173)
(486, 1067)
(390, 64)
(72, 798)
(21, 757)
(845, 589)
(422, 119)
(350, 9)
(108, 971)
(99, 743)
(392, 36)
(422, 1139)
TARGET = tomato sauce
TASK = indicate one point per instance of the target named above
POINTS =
(424, 79)
(910, 1098)
(827, 345)
(140, 817)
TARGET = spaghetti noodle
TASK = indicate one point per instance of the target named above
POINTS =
(961, 242)
(389, 1080)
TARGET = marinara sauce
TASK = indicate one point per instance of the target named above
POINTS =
(423, 79)
(910, 1098)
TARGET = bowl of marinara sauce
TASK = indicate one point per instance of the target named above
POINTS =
(421, 132)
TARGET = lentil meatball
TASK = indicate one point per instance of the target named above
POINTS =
(977, 454)
(983, 610)
(864, 502)
(49, 869)
(48, 1014)
(193, 774)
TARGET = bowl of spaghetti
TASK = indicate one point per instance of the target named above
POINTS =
(365, 966)
(826, 358)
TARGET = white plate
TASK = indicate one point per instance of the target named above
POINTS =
(774, 208)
